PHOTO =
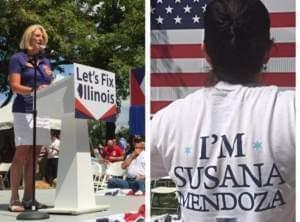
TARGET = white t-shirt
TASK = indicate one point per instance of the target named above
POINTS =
(137, 166)
(230, 150)
(53, 150)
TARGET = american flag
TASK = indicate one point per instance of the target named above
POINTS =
(178, 66)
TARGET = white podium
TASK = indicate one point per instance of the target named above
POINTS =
(74, 191)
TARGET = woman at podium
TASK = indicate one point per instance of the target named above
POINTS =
(21, 78)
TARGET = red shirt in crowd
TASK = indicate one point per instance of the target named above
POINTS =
(112, 151)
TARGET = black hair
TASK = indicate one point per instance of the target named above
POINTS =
(237, 37)
(55, 133)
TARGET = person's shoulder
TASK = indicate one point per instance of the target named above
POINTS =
(117, 147)
(273, 91)
(287, 94)
(120, 149)
(18, 55)
(45, 60)
(286, 98)
(19, 58)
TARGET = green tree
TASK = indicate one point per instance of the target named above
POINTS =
(105, 34)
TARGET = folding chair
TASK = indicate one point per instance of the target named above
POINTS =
(98, 174)
(113, 170)
(164, 196)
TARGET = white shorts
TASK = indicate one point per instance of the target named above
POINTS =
(23, 128)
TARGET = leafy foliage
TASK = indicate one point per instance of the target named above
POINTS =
(105, 34)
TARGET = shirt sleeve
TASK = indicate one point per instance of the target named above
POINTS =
(158, 169)
(285, 125)
(15, 65)
(283, 135)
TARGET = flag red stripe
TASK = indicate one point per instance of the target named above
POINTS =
(195, 51)
(178, 79)
(283, 19)
(279, 79)
(283, 50)
(177, 51)
(157, 105)
(201, 79)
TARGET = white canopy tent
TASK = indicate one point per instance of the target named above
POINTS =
(6, 119)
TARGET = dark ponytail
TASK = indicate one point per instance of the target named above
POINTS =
(237, 37)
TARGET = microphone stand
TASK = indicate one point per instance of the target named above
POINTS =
(33, 214)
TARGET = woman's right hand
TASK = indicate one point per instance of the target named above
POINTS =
(47, 70)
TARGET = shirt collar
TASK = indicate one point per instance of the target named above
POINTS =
(229, 86)
(26, 58)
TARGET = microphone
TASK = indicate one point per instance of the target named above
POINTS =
(47, 52)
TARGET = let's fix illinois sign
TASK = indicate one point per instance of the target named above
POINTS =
(95, 93)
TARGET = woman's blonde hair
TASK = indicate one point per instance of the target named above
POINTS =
(27, 35)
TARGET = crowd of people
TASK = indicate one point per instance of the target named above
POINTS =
(132, 156)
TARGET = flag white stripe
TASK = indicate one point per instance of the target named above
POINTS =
(170, 93)
(200, 65)
(280, 5)
(283, 34)
(173, 93)
(192, 36)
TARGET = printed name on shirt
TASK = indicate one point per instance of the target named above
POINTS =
(231, 179)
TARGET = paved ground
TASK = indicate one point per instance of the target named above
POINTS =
(118, 205)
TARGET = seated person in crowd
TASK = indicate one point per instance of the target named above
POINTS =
(133, 139)
(112, 152)
(135, 165)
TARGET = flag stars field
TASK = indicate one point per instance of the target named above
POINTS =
(187, 9)
(159, 20)
(196, 19)
(177, 20)
(152, 10)
(169, 9)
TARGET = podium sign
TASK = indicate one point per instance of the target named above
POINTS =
(89, 93)
(95, 93)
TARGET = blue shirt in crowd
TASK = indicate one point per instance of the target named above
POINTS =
(19, 64)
